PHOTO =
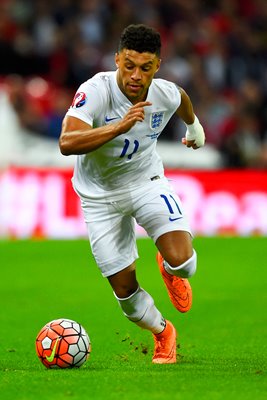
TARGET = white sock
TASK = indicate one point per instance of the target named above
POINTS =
(185, 270)
(140, 309)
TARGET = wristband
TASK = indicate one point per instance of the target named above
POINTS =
(195, 132)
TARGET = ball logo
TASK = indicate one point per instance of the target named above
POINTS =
(79, 100)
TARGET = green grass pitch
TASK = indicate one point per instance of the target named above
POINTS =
(222, 341)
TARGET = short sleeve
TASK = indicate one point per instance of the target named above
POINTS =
(87, 102)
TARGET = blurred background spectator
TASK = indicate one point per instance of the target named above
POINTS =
(215, 49)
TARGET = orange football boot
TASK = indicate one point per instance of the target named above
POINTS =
(165, 345)
(179, 289)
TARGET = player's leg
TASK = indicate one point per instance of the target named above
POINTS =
(139, 307)
(112, 239)
(160, 212)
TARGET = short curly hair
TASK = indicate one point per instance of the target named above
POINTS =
(140, 38)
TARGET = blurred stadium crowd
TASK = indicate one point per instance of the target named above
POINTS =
(215, 49)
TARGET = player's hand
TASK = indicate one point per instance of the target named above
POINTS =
(195, 135)
(190, 143)
(135, 114)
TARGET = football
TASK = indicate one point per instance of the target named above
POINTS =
(63, 343)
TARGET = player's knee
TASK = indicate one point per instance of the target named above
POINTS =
(176, 259)
(124, 283)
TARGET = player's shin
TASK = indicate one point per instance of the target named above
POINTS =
(140, 309)
(185, 270)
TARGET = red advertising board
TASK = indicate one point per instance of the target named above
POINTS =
(42, 203)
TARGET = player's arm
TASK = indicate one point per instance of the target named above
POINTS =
(78, 137)
(195, 136)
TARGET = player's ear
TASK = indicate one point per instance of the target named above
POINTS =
(158, 64)
(117, 59)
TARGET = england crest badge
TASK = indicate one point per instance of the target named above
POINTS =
(156, 119)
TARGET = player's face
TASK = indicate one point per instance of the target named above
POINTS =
(135, 73)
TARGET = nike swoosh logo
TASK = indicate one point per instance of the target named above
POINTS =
(174, 219)
(52, 355)
(110, 119)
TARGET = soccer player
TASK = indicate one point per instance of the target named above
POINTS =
(112, 126)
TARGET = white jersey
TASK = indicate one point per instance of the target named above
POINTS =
(130, 158)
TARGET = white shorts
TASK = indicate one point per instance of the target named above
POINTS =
(111, 223)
